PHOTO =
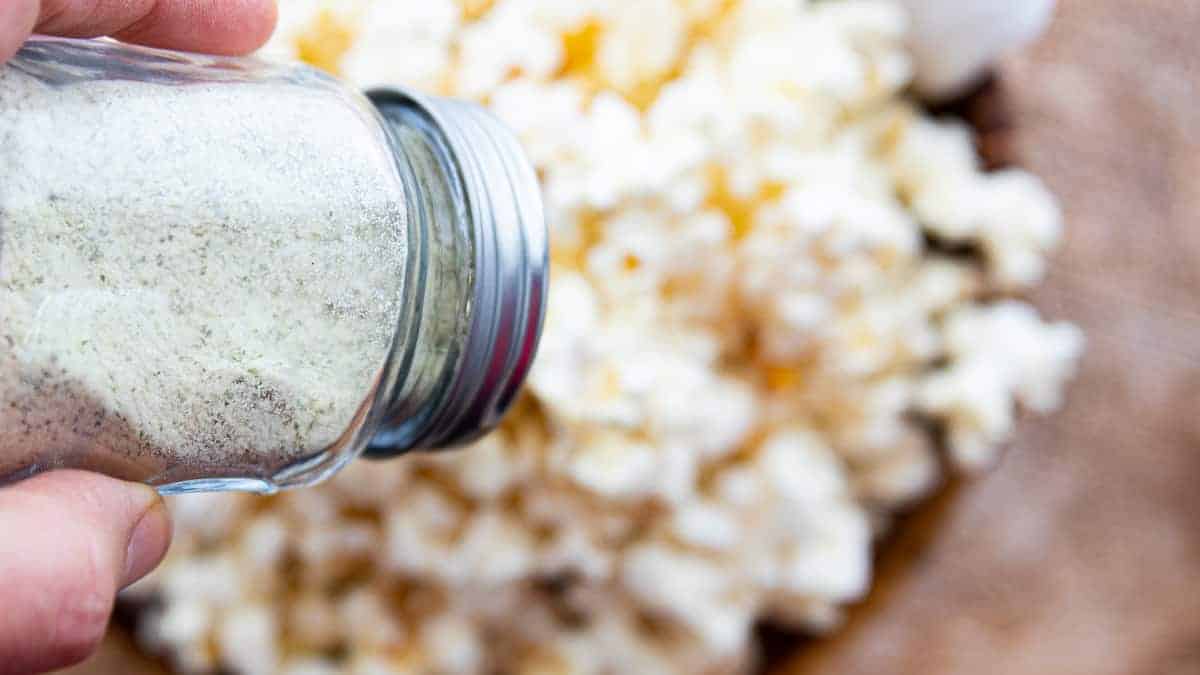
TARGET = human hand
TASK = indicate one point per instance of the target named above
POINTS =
(212, 26)
(69, 540)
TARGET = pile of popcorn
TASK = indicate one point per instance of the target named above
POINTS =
(784, 304)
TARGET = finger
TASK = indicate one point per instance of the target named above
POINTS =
(211, 26)
(17, 18)
(69, 541)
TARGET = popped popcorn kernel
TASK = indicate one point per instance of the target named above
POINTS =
(759, 310)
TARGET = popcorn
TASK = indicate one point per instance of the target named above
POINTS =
(753, 322)
(367, 620)
(690, 590)
(185, 622)
(1021, 225)
(955, 40)
(1010, 214)
(313, 619)
(402, 42)
(641, 41)
(706, 525)
(547, 115)
(608, 151)
(612, 466)
(264, 544)
(246, 640)
(502, 45)
(1000, 355)
(830, 556)
(797, 465)
(310, 667)
(452, 644)
(908, 471)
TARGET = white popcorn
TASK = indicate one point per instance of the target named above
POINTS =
(264, 543)
(908, 472)
(711, 427)
(798, 465)
(369, 665)
(502, 46)
(745, 319)
(1021, 224)
(569, 345)
(689, 589)
(1010, 213)
(247, 639)
(319, 547)
(362, 485)
(313, 619)
(882, 428)
(402, 42)
(214, 579)
(954, 40)
(573, 551)
(367, 620)
(612, 466)
(452, 644)
(310, 667)
(546, 116)
(1000, 355)
(609, 155)
(496, 550)
(419, 532)
(183, 622)
(641, 42)
(830, 556)
(739, 487)
(206, 515)
(492, 468)
(691, 110)
(706, 525)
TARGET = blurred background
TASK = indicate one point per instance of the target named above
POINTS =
(1079, 550)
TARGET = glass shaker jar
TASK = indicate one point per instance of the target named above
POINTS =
(225, 274)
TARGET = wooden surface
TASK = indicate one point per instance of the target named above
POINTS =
(1080, 553)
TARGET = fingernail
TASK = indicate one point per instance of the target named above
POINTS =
(148, 543)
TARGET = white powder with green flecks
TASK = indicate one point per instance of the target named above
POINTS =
(196, 280)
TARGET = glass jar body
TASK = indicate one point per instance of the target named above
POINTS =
(215, 273)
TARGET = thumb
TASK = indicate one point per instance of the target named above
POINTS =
(69, 540)
(17, 18)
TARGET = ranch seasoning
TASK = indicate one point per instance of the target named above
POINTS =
(226, 274)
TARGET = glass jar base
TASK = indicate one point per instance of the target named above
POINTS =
(255, 485)
(300, 474)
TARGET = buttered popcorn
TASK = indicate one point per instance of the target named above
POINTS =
(750, 307)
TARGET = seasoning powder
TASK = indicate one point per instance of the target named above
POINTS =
(193, 282)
